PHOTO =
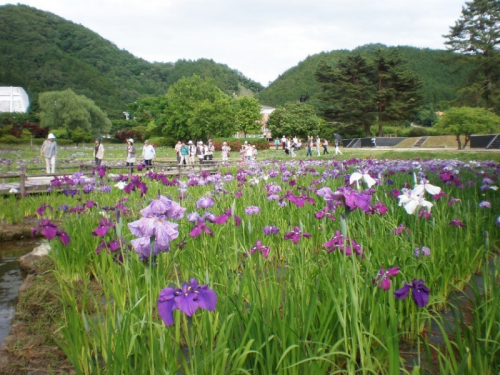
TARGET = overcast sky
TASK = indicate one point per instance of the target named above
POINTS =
(260, 38)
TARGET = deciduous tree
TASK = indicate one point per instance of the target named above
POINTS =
(467, 121)
(292, 119)
(65, 109)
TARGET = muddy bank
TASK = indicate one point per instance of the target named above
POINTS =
(31, 347)
(14, 232)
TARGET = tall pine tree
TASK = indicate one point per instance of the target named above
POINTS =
(477, 33)
(348, 94)
(399, 93)
(359, 92)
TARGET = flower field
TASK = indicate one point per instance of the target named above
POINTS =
(278, 267)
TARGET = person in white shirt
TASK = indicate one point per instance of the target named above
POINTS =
(192, 152)
(248, 152)
(225, 151)
(148, 153)
(318, 142)
(337, 150)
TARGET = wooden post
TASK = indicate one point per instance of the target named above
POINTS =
(22, 180)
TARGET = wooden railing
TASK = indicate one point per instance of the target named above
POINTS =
(166, 167)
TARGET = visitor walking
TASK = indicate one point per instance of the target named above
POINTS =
(177, 149)
(309, 146)
(49, 151)
(148, 153)
(200, 151)
(210, 151)
(192, 152)
(225, 151)
(337, 150)
(283, 142)
(98, 151)
(277, 143)
(130, 152)
(318, 142)
(184, 153)
(325, 147)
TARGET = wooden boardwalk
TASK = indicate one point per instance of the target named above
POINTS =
(23, 182)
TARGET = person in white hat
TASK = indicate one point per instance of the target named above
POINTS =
(130, 152)
(192, 152)
(49, 151)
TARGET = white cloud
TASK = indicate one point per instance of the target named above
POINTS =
(260, 38)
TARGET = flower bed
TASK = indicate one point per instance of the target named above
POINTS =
(279, 267)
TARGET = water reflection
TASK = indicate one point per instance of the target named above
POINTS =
(11, 278)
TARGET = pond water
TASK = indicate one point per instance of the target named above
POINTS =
(11, 278)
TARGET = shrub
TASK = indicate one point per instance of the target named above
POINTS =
(413, 131)
(9, 140)
(163, 141)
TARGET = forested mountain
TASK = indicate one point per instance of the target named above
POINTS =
(440, 73)
(43, 52)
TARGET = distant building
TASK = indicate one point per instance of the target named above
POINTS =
(14, 99)
(265, 113)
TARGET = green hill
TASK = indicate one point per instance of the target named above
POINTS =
(43, 52)
(433, 66)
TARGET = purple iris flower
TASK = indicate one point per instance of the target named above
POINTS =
(164, 206)
(400, 230)
(259, 247)
(453, 200)
(193, 217)
(382, 278)
(252, 210)
(238, 194)
(88, 188)
(105, 188)
(163, 232)
(205, 202)
(425, 214)
(90, 204)
(199, 228)
(498, 221)
(103, 228)
(63, 207)
(483, 204)
(187, 299)
(79, 209)
(324, 212)
(271, 229)
(78, 178)
(422, 251)
(456, 222)
(210, 217)
(420, 293)
(295, 235)
(225, 216)
(100, 170)
(40, 210)
(380, 208)
(343, 244)
(50, 230)
(69, 192)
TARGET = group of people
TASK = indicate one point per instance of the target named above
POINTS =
(49, 152)
(248, 152)
(290, 145)
(188, 153)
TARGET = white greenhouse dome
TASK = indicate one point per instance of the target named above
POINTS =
(13, 99)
